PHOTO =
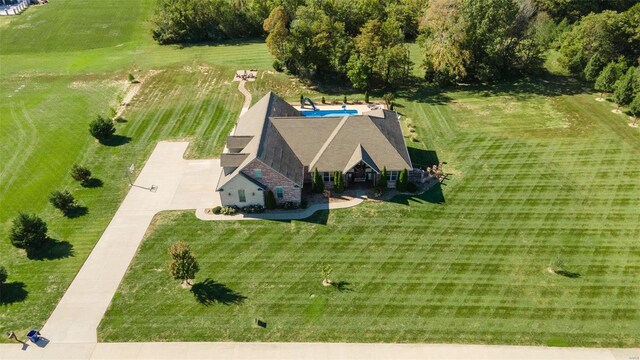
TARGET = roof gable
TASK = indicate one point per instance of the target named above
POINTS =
(360, 155)
(380, 145)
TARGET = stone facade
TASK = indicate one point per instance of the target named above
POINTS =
(272, 179)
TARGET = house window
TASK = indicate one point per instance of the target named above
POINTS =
(392, 175)
(257, 173)
(279, 192)
(327, 176)
(241, 196)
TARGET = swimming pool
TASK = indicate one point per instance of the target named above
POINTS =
(328, 113)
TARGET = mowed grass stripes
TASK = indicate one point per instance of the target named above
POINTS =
(62, 64)
(471, 269)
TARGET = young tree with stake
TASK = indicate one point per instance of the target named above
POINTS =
(183, 265)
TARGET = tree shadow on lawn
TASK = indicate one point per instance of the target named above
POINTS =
(522, 88)
(92, 183)
(116, 140)
(421, 158)
(13, 292)
(342, 286)
(223, 43)
(568, 274)
(76, 211)
(52, 250)
(320, 217)
(434, 196)
(208, 292)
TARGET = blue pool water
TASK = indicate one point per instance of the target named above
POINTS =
(328, 113)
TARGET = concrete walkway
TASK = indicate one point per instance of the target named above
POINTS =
(307, 351)
(167, 182)
(283, 215)
(247, 97)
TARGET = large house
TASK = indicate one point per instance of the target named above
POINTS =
(274, 147)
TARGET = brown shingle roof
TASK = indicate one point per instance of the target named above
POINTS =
(277, 134)
(238, 142)
(253, 124)
(232, 160)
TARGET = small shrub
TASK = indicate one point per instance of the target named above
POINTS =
(131, 78)
(388, 99)
(288, 205)
(366, 97)
(62, 200)
(557, 263)
(338, 182)
(278, 66)
(28, 232)
(324, 101)
(317, 185)
(216, 210)
(253, 209)
(415, 138)
(303, 204)
(401, 184)
(383, 178)
(412, 187)
(80, 173)
(102, 128)
(344, 99)
(412, 130)
(229, 210)
(270, 200)
(326, 272)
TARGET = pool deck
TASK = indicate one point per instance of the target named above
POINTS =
(362, 108)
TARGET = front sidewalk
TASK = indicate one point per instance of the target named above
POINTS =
(308, 351)
(280, 215)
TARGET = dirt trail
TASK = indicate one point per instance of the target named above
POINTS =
(131, 91)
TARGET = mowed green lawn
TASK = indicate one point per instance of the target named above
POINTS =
(535, 175)
(62, 64)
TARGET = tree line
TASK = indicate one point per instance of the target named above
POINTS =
(363, 42)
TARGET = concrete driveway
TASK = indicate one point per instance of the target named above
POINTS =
(167, 182)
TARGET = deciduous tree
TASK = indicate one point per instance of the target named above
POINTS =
(183, 265)
(608, 77)
(634, 108)
(623, 89)
(276, 26)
